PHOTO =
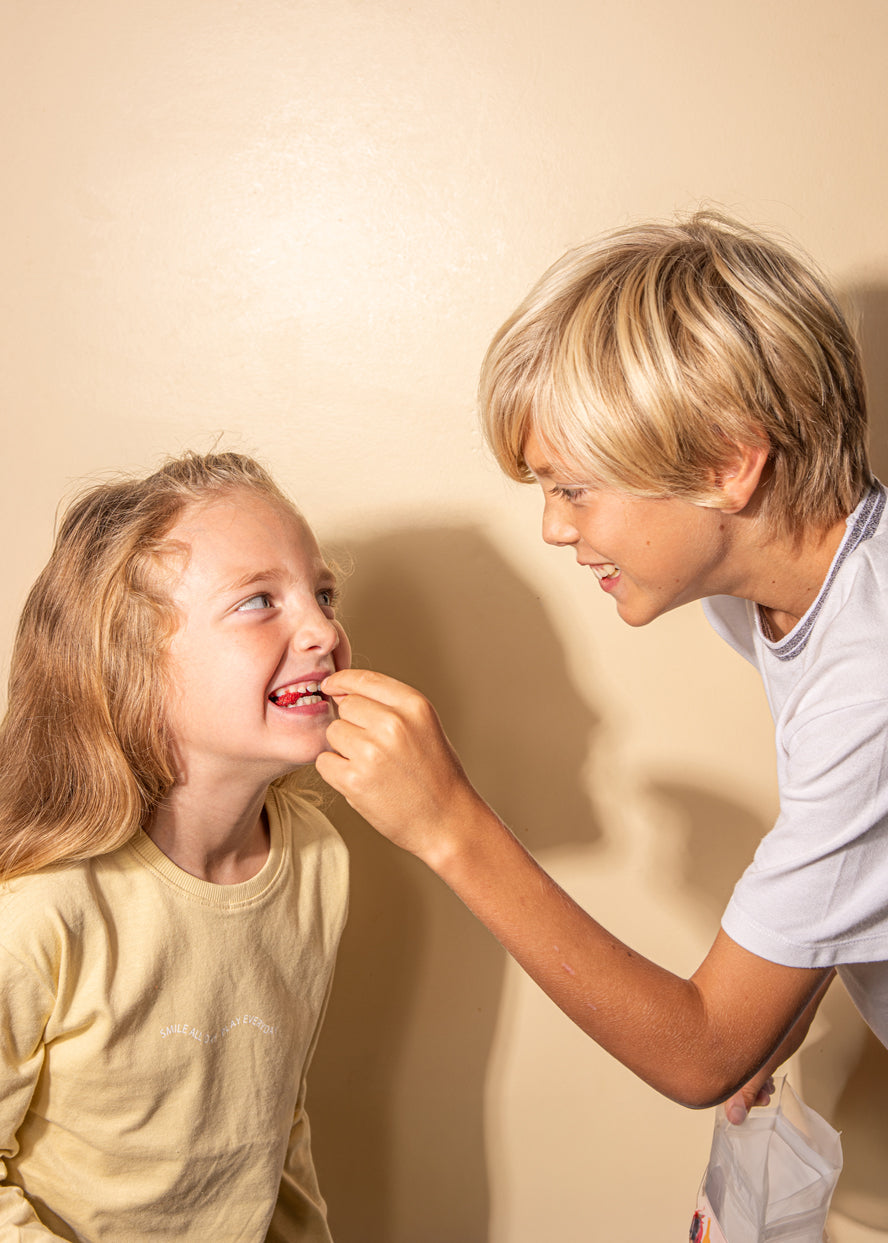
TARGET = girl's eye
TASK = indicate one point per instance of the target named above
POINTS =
(260, 601)
(568, 494)
(327, 597)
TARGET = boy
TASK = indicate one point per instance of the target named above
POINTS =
(690, 400)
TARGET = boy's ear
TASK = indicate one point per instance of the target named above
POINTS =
(738, 479)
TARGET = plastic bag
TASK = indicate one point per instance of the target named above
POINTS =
(771, 1178)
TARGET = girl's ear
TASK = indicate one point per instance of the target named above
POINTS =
(738, 479)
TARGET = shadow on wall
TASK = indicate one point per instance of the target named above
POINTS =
(871, 306)
(397, 1086)
(719, 840)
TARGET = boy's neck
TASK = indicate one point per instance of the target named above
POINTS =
(217, 839)
(793, 578)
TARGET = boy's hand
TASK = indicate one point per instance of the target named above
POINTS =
(757, 1092)
(392, 761)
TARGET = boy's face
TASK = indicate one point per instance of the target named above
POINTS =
(649, 555)
(257, 632)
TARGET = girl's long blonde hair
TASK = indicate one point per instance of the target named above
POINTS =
(85, 753)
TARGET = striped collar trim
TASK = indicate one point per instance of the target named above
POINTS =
(866, 523)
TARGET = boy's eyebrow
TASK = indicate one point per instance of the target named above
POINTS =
(540, 470)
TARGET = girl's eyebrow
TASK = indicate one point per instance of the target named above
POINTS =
(250, 579)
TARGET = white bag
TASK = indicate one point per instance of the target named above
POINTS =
(771, 1178)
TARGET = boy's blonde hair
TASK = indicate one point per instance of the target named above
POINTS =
(641, 360)
(85, 753)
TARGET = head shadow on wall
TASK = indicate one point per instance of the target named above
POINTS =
(398, 1082)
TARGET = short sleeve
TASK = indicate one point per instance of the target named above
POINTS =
(816, 893)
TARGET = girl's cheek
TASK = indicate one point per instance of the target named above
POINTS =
(342, 655)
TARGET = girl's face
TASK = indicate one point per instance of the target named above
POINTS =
(257, 632)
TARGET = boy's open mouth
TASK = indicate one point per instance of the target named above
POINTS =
(297, 695)
(605, 571)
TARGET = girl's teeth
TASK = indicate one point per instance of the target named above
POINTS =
(605, 571)
(298, 694)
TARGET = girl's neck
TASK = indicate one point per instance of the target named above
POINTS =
(221, 840)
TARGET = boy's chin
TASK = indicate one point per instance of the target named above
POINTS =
(635, 617)
(637, 613)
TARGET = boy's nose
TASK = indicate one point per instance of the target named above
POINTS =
(558, 529)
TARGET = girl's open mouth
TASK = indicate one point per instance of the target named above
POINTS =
(297, 695)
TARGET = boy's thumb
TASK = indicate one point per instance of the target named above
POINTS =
(736, 1109)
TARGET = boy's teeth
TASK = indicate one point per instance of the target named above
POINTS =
(605, 571)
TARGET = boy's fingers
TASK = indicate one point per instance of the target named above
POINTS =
(369, 683)
(382, 705)
(333, 768)
(350, 738)
(369, 714)
(736, 1109)
(741, 1102)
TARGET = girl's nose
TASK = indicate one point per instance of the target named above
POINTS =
(317, 632)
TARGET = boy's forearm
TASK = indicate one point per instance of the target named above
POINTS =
(695, 1040)
(793, 1041)
(662, 1027)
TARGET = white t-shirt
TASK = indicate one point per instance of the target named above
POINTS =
(816, 893)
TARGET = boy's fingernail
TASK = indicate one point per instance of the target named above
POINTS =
(736, 1113)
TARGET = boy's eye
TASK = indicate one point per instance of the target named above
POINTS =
(327, 597)
(260, 601)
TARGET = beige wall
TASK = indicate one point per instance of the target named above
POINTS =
(299, 224)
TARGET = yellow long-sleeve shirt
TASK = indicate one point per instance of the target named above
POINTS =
(156, 1031)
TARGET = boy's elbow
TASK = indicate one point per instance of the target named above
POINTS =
(709, 1101)
(706, 1089)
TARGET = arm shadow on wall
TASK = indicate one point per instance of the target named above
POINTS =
(397, 1087)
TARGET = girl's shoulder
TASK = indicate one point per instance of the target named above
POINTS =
(44, 915)
(300, 816)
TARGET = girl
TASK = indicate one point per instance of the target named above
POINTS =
(171, 906)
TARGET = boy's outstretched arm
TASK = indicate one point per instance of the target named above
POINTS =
(698, 1041)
